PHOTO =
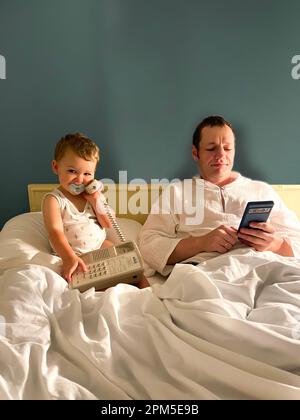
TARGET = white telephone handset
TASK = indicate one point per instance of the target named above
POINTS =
(107, 267)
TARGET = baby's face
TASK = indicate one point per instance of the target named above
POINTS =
(74, 172)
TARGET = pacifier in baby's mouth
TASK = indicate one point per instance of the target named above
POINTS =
(92, 187)
(76, 189)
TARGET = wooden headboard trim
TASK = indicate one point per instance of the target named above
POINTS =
(134, 201)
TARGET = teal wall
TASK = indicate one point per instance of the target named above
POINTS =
(136, 76)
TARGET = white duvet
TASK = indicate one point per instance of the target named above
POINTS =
(226, 329)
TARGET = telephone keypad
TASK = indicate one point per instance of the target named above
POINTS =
(104, 268)
(96, 270)
(103, 273)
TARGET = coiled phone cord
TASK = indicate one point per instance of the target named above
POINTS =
(113, 221)
(96, 185)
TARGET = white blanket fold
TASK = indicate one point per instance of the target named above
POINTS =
(225, 329)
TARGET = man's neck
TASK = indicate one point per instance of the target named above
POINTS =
(222, 182)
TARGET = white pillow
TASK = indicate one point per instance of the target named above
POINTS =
(24, 240)
(30, 228)
(130, 229)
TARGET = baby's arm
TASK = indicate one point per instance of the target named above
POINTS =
(96, 201)
(54, 226)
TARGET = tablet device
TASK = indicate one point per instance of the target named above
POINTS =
(256, 211)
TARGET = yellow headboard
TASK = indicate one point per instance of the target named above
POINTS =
(134, 200)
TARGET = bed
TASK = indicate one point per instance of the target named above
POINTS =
(232, 331)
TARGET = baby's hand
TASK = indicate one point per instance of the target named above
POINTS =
(93, 193)
(102, 210)
(71, 265)
(92, 198)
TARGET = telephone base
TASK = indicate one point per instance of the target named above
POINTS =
(102, 285)
(121, 263)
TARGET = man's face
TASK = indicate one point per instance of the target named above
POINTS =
(215, 154)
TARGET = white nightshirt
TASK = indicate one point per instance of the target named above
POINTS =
(82, 229)
(222, 206)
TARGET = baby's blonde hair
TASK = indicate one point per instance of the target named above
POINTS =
(79, 144)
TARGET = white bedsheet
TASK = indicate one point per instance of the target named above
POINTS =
(227, 329)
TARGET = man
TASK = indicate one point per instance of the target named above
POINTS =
(167, 238)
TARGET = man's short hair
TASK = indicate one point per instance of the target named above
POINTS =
(79, 144)
(211, 121)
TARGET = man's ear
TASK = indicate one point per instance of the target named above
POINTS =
(195, 153)
(54, 166)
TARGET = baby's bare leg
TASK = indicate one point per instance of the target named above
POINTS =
(106, 244)
(143, 283)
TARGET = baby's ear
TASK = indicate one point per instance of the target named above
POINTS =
(54, 166)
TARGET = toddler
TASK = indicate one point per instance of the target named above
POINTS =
(72, 217)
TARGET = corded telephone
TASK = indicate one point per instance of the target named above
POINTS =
(121, 263)
(109, 266)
